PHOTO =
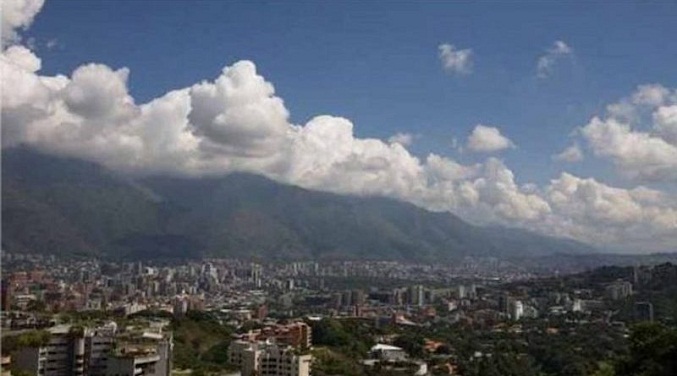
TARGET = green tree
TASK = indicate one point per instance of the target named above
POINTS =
(412, 343)
(605, 369)
(653, 352)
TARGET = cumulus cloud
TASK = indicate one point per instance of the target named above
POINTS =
(17, 15)
(236, 122)
(455, 60)
(558, 51)
(402, 138)
(571, 154)
(639, 134)
(487, 139)
(23, 58)
(636, 216)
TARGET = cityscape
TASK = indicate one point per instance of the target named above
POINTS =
(89, 317)
(338, 188)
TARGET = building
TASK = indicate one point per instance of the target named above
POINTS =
(358, 297)
(619, 290)
(141, 359)
(644, 311)
(5, 365)
(284, 361)
(77, 351)
(180, 307)
(461, 292)
(505, 302)
(261, 312)
(5, 295)
(97, 347)
(347, 298)
(589, 305)
(387, 353)
(268, 359)
(297, 335)
(516, 310)
(62, 353)
(417, 295)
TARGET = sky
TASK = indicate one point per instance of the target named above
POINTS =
(559, 118)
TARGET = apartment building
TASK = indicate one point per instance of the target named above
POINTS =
(103, 351)
(269, 359)
(296, 334)
(61, 355)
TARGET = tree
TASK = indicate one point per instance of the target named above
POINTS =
(36, 306)
(412, 343)
(329, 332)
(605, 369)
(653, 352)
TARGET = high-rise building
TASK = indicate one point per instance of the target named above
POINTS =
(397, 297)
(5, 295)
(461, 291)
(417, 295)
(516, 310)
(504, 302)
(472, 292)
(619, 290)
(347, 298)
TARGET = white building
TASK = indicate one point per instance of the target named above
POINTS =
(517, 310)
(387, 352)
(268, 359)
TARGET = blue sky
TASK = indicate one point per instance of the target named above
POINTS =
(377, 63)
(487, 92)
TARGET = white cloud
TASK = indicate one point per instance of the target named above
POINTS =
(455, 60)
(236, 122)
(639, 134)
(17, 15)
(486, 139)
(51, 44)
(546, 63)
(497, 188)
(571, 154)
(485, 193)
(402, 138)
(651, 95)
(599, 213)
(665, 123)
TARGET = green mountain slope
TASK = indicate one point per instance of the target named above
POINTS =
(66, 206)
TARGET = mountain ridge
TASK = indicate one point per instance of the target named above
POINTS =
(64, 205)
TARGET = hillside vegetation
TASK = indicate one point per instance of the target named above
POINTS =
(65, 206)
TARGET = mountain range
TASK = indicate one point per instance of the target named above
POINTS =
(65, 206)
